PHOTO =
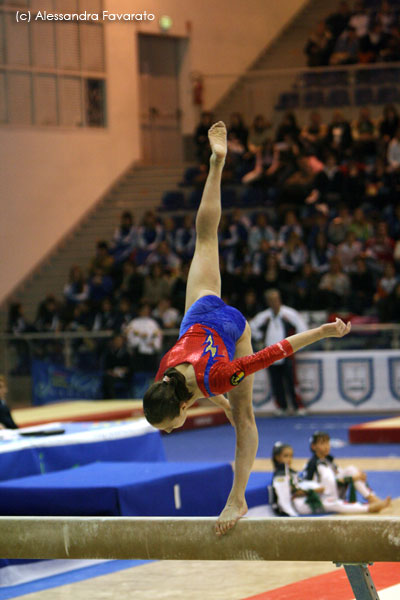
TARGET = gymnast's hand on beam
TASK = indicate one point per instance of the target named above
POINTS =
(336, 329)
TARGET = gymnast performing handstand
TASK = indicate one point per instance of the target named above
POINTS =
(213, 354)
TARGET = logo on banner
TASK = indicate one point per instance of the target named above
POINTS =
(356, 379)
(310, 380)
(394, 377)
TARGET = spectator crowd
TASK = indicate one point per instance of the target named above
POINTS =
(358, 34)
(326, 235)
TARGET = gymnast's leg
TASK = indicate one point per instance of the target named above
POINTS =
(241, 401)
(204, 276)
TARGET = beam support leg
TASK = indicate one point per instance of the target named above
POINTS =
(360, 580)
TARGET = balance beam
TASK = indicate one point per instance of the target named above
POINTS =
(341, 539)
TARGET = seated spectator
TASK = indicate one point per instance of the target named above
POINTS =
(156, 285)
(48, 315)
(81, 320)
(362, 286)
(271, 275)
(240, 223)
(238, 130)
(164, 256)
(248, 281)
(123, 315)
(389, 123)
(379, 249)
(361, 226)
(386, 283)
(169, 232)
(338, 21)
(261, 231)
(364, 135)
(178, 288)
(389, 308)
(359, 20)
(186, 238)
(125, 239)
(131, 283)
(394, 221)
(102, 260)
(319, 46)
(299, 184)
(77, 289)
(386, 16)
(150, 234)
(236, 257)
(339, 138)
(105, 317)
(288, 127)
(373, 44)
(377, 182)
(6, 420)
(393, 153)
(329, 184)
(336, 285)
(100, 287)
(202, 145)
(392, 51)
(321, 254)
(337, 230)
(227, 234)
(346, 48)
(117, 369)
(291, 224)
(306, 295)
(249, 305)
(355, 183)
(349, 250)
(17, 324)
(313, 135)
(166, 315)
(258, 134)
(293, 255)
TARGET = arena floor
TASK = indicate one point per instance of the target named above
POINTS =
(195, 580)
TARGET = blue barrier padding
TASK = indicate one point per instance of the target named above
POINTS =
(130, 489)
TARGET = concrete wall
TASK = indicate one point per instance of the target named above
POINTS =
(51, 177)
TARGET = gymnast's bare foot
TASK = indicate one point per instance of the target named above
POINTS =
(229, 516)
(379, 505)
(217, 137)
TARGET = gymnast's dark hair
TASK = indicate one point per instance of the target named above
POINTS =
(277, 449)
(163, 399)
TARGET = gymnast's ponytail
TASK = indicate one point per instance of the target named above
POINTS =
(163, 399)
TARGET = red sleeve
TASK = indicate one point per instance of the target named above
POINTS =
(226, 375)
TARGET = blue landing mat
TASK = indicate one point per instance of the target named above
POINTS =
(218, 443)
(125, 489)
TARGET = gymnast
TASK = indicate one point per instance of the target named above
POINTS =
(213, 354)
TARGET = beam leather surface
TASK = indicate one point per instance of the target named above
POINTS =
(360, 539)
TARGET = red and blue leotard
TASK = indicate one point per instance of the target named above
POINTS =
(205, 350)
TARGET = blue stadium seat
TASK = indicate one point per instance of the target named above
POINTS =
(172, 201)
(338, 97)
(194, 198)
(252, 197)
(287, 101)
(228, 197)
(363, 96)
(313, 99)
(334, 78)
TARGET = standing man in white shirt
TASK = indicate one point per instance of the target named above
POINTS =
(270, 326)
(144, 338)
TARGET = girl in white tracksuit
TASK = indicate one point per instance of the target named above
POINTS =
(290, 496)
(335, 481)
